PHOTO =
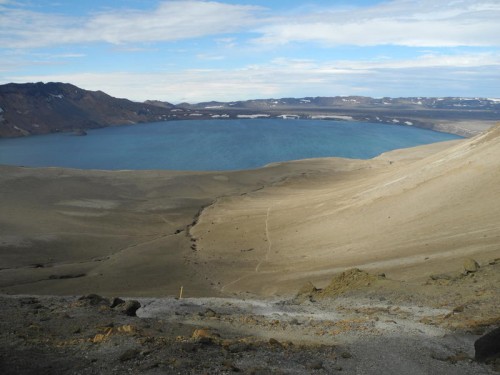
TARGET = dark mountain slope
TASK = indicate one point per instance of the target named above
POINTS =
(39, 108)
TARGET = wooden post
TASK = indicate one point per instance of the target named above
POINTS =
(180, 293)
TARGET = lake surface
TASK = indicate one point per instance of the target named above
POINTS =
(212, 144)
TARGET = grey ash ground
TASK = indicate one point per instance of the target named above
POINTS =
(359, 324)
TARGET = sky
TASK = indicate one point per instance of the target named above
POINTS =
(194, 50)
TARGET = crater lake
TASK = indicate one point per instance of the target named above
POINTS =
(207, 145)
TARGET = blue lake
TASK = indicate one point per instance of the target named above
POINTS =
(212, 144)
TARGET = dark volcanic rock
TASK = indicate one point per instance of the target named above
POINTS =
(488, 346)
(130, 307)
(117, 301)
(129, 354)
(95, 299)
(238, 347)
(40, 108)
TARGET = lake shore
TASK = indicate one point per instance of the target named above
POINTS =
(257, 294)
(212, 145)
(76, 232)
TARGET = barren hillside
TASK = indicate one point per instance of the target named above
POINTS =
(404, 216)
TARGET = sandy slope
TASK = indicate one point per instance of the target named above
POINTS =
(408, 213)
(406, 217)
(68, 231)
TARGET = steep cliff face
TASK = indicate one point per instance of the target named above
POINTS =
(39, 108)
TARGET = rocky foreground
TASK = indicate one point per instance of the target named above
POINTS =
(360, 323)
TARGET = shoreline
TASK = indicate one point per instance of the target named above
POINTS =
(128, 217)
(215, 233)
(462, 128)
(260, 296)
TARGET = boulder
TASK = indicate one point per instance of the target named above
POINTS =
(274, 342)
(130, 307)
(117, 301)
(129, 354)
(205, 335)
(349, 280)
(238, 347)
(470, 266)
(209, 313)
(306, 293)
(487, 347)
(94, 300)
(315, 365)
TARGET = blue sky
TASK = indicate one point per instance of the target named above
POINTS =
(191, 50)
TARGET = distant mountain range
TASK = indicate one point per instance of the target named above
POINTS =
(360, 102)
(40, 108)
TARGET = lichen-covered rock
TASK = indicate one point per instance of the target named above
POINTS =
(349, 280)
(306, 293)
(470, 266)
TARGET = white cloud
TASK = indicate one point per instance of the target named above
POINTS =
(427, 60)
(226, 42)
(412, 23)
(398, 22)
(170, 21)
(404, 22)
(209, 57)
(429, 75)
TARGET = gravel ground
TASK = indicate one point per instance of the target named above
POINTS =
(70, 335)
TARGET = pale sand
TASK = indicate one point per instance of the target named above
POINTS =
(408, 213)
(68, 231)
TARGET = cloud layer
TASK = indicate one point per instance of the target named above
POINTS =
(431, 75)
(197, 50)
(406, 22)
(403, 22)
(170, 21)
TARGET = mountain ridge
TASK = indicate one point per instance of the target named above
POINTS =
(41, 108)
